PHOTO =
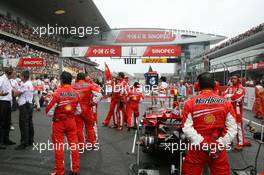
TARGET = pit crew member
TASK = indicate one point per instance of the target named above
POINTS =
(86, 90)
(209, 123)
(134, 97)
(64, 107)
(235, 94)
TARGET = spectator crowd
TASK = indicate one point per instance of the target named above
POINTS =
(25, 31)
(13, 50)
(236, 39)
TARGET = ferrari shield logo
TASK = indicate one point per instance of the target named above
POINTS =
(209, 119)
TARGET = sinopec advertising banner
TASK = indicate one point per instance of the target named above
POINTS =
(31, 62)
(123, 51)
(152, 51)
(142, 36)
(24, 62)
(103, 51)
(150, 37)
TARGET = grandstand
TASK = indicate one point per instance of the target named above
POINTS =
(18, 29)
(236, 39)
(241, 54)
(18, 39)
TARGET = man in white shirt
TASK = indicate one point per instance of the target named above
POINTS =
(25, 93)
(5, 107)
(163, 87)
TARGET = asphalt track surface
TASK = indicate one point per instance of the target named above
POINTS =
(113, 157)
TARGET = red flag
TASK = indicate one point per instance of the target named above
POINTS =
(108, 75)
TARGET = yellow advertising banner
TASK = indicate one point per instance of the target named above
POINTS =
(154, 60)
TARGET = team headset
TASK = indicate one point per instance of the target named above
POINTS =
(197, 85)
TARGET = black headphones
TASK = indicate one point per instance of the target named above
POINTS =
(205, 78)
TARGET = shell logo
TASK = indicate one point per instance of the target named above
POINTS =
(68, 107)
(209, 119)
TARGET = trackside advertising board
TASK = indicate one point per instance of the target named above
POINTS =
(24, 62)
(122, 51)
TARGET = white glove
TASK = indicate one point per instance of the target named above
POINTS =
(97, 97)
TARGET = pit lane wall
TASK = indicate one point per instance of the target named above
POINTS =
(249, 97)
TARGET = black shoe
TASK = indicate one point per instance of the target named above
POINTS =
(134, 127)
(73, 173)
(30, 143)
(21, 147)
(38, 109)
(9, 142)
(2, 146)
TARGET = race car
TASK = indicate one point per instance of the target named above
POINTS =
(160, 128)
(159, 131)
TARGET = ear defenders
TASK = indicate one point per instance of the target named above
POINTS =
(197, 86)
(204, 80)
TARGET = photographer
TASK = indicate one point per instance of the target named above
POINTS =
(208, 120)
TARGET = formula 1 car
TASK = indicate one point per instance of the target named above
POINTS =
(161, 127)
(158, 131)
